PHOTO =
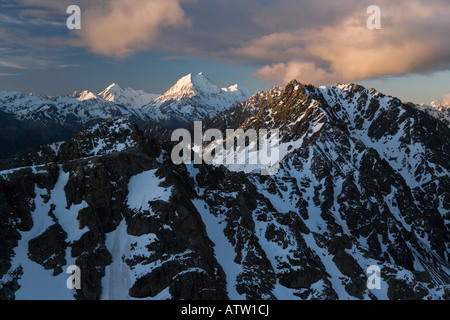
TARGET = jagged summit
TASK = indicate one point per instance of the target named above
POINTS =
(83, 95)
(128, 97)
(193, 98)
(134, 99)
(110, 91)
(106, 137)
(190, 86)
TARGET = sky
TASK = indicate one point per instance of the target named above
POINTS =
(149, 44)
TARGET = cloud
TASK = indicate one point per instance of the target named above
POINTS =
(26, 20)
(410, 41)
(63, 66)
(278, 46)
(23, 39)
(283, 15)
(119, 28)
(317, 42)
(111, 28)
(23, 51)
(4, 18)
(303, 71)
(47, 8)
(173, 57)
(12, 65)
(21, 60)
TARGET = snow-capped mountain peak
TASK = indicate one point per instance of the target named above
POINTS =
(238, 91)
(190, 86)
(128, 97)
(194, 97)
(84, 95)
(202, 85)
(232, 88)
(110, 92)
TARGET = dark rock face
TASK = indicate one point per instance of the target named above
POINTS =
(364, 181)
(232, 118)
(49, 249)
(16, 135)
(98, 181)
(30, 120)
(183, 255)
(16, 194)
(156, 131)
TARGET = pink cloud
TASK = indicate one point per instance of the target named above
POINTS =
(317, 42)
(410, 41)
(305, 72)
(119, 28)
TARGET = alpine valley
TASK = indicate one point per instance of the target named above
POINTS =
(363, 180)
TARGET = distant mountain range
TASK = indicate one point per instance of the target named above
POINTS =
(30, 120)
(364, 180)
(128, 97)
(439, 110)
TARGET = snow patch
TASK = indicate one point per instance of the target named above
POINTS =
(143, 188)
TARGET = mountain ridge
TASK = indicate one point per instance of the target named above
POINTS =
(134, 99)
(363, 180)
(52, 119)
